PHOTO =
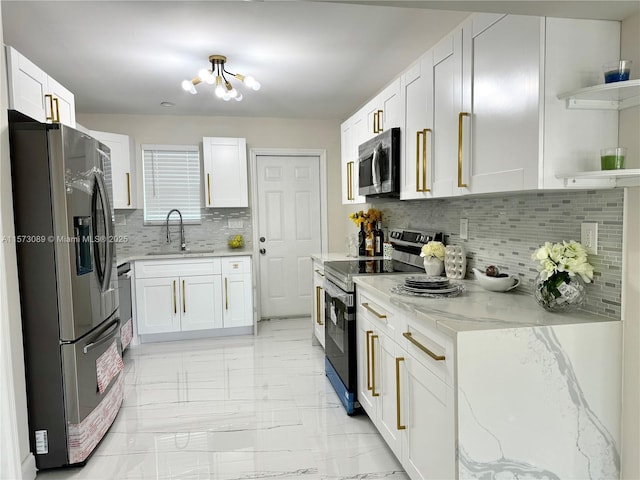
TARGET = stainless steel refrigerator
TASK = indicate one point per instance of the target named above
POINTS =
(68, 288)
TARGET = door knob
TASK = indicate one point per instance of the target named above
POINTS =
(262, 239)
(263, 251)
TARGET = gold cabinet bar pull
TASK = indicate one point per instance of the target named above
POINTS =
(128, 189)
(318, 291)
(226, 295)
(350, 181)
(379, 315)
(57, 103)
(184, 299)
(380, 125)
(49, 97)
(373, 367)
(368, 334)
(409, 337)
(423, 134)
(461, 115)
(175, 307)
(399, 425)
(418, 134)
(208, 189)
(319, 273)
(424, 159)
(375, 122)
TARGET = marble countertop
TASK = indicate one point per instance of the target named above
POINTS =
(474, 309)
(330, 257)
(196, 253)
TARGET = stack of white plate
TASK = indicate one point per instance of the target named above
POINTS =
(427, 286)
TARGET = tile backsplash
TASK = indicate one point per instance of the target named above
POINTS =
(505, 230)
(212, 233)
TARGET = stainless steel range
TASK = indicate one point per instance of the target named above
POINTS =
(340, 325)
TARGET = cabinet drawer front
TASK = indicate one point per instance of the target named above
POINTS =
(236, 265)
(381, 317)
(180, 267)
(431, 348)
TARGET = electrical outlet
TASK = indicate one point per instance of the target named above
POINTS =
(589, 237)
(464, 228)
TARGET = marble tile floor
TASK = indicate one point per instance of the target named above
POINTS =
(235, 408)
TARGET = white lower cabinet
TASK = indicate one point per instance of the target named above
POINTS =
(317, 313)
(238, 292)
(188, 295)
(407, 393)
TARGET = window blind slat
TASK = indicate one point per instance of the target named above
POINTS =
(171, 180)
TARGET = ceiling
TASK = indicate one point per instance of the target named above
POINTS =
(319, 59)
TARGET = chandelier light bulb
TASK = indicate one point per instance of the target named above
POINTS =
(186, 85)
(226, 97)
(238, 97)
(250, 82)
(205, 75)
(220, 90)
(256, 85)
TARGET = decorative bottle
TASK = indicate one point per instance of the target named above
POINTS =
(378, 240)
(369, 240)
(362, 236)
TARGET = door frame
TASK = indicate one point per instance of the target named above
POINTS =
(254, 153)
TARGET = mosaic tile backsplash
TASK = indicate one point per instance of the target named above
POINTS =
(212, 233)
(505, 230)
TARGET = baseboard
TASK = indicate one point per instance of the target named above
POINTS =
(29, 470)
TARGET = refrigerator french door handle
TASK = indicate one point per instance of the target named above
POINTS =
(108, 228)
(105, 336)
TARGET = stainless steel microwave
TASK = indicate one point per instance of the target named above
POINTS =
(379, 165)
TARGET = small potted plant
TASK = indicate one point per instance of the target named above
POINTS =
(433, 253)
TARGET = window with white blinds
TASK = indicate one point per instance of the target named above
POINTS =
(171, 180)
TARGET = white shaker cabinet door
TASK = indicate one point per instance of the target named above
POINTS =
(417, 140)
(64, 104)
(351, 136)
(225, 172)
(501, 95)
(238, 304)
(428, 417)
(317, 315)
(157, 305)
(447, 109)
(122, 167)
(201, 302)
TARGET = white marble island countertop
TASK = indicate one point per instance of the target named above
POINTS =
(475, 308)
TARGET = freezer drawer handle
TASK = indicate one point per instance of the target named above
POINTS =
(105, 337)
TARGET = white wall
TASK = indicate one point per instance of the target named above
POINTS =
(628, 137)
(259, 132)
(17, 461)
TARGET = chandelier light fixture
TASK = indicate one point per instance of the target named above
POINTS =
(216, 75)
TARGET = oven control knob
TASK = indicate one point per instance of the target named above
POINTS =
(263, 251)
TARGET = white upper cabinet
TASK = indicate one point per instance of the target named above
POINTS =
(225, 172)
(123, 167)
(499, 120)
(383, 111)
(417, 139)
(351, 135)
(34, 93)
(447, 109)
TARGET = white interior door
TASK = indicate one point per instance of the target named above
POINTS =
(289, 231)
